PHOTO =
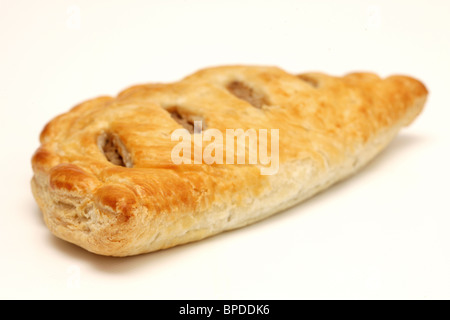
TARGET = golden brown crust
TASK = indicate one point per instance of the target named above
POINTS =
(328, 128)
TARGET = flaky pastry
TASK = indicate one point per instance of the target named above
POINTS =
(105, 179)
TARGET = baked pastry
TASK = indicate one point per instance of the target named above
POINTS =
(105, 178)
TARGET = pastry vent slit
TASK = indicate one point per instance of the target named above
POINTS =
(309, 80)
(114, 150)
(248, 94)
(186, 120)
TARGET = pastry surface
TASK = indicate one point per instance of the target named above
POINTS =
(105, 179)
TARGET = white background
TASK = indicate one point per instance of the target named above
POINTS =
(382, 234)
